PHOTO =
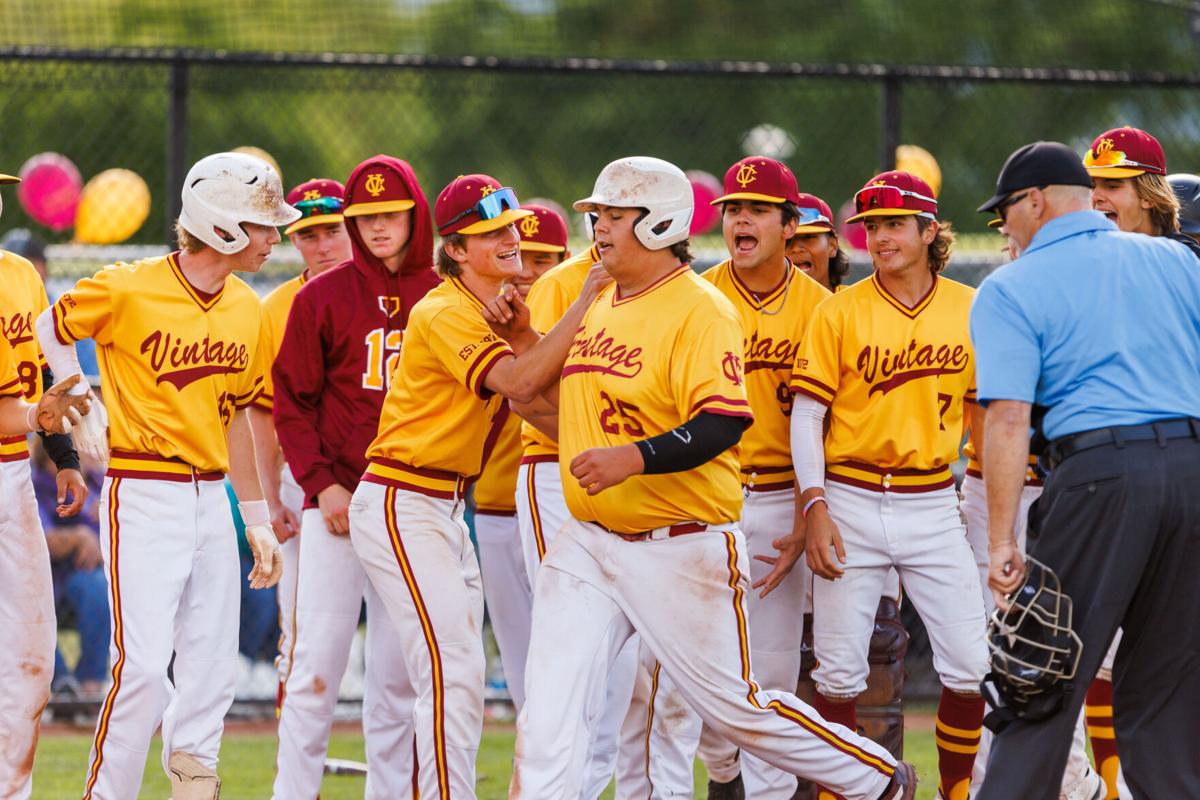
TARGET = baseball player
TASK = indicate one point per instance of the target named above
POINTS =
(541, 513)
(26, 589)
(444, 410)
(655, 403)
(890, 361)
(342, 341)
(1080, 781)
(320, 238)
(178, 343)
(815, 248)
(506, 591)
(1187, 192)
(774, 300)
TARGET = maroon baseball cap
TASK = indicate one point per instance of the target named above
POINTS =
(1125, 153)
(894, 194)
(377, 190)
(759, 179)
(815, 214)
(545, 231)
(476, 204)
(320, 200)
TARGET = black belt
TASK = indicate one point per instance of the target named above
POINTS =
(1062, 449)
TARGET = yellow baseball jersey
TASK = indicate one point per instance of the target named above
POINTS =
(772, 329)
(496, 489)
(894, 379)
(275, 308)
(439, 421)
(549, 298)
(634, 372)
(21, 302)
(10, 383)
(175, 363)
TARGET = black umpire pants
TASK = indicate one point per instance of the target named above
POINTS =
(1121, 527)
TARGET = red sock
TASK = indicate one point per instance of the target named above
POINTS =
(843, 712)
(1098, 708)
(959, 725)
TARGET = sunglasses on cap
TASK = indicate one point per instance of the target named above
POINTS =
(813, 216)
(886, 197)
(320, 206)
(1114, 158)
(490, 207)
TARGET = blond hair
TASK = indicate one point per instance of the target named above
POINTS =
(446, 266)
(1164, 205)
(187, 242)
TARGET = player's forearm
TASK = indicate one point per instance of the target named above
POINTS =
(808, 446)
(266, 452)
(14, 416)
(975, 419)
(542, 364)
(61, 358)
(243, 469)
(1005, 460)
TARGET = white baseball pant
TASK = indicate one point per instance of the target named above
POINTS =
(170, 550)
(975, 513)
(541, 514)
(330, 591)
(922, 535)
(506, 594)
(776, 630)
(685, 596)
(417, 553)
(292, 498)
(27, 615)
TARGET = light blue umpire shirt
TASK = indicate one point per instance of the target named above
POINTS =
(1102, 327)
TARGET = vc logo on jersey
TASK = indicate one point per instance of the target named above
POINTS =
(389, 305)
(731, 366)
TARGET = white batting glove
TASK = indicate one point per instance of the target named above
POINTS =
(268, 561)
(90, 434)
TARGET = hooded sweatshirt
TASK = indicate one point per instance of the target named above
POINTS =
(342, 339)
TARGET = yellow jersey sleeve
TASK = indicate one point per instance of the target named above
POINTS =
(818, 361)
(10, 384)
(708, 368)
(86, 311)
(466, 346)
(250, 381)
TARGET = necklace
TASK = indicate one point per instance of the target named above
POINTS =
(787, 287)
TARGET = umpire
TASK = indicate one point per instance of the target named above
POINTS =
(1101, 329)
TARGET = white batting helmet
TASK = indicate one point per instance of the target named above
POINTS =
(224, 190)
(658, 186)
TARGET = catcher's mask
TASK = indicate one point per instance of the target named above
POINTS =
(1034, 651)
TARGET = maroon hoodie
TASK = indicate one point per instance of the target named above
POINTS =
(343, 337)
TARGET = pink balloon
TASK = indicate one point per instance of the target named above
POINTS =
(49, 190)
(853, 234)
(705, 189)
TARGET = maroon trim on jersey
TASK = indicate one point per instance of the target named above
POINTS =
(495, 512)
(810, 393)
(371, 477)
(909, 311)
(206, 300)
(544, 458)
(757, 299)
(424, 472)
(617, 300)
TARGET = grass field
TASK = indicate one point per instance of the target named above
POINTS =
(248, 763)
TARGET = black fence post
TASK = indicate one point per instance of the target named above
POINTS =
(889, 133)
(177, 141)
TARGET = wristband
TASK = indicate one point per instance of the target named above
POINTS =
(31, 421)
(808, 506)
(255, 512)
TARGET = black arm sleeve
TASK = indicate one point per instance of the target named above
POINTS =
(58, 445)
(695, 442)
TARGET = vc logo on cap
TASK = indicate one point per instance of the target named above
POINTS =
(746, 174)
(529, 226)
(374, 184)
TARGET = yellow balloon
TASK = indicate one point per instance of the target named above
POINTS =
(258, 152)
(114, 204)
(920, 162)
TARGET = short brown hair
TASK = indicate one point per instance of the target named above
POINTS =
(1164, 205)
(446, 266)
(187, 242)
(683, 251)
(942, 245)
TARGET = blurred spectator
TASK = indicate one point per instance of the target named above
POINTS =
(258, 635)
(80, 586)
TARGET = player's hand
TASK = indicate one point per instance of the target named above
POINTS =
(790, 549)
(70, 483)
(1006, 571)
(284, 523)
(823, 535)
(58, 411)
(268, 561)
(334, 502)
(597, 279)
(87, 551)
(507, 315)
(601, 467)
(91, 434)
